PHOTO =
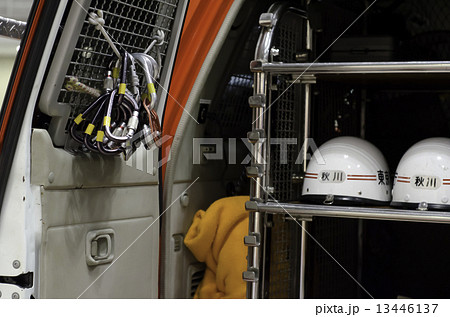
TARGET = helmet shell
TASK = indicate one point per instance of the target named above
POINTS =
(350, 169)
(423, 176)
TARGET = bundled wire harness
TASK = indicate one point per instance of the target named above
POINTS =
(122, 118)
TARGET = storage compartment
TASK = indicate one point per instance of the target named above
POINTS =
(392, 99)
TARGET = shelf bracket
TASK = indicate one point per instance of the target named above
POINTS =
(251, 275)
(255, 135)
(257, 101)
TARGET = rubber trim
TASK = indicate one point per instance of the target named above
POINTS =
(413, 206)
(344, 201)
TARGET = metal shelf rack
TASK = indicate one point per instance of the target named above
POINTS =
(305, 74)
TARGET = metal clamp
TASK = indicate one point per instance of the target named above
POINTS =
(255, 171)
(303, 79)
(256, 66)
(257, 101)
(251, 275)
(255, 135)
(267, 20)
(253, 240)
(251, 205)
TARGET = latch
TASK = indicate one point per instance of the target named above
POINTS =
(99, 247)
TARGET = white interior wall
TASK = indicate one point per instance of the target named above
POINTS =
(8, 50)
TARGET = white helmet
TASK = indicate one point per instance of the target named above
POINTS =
(422, 179)
(347, 170)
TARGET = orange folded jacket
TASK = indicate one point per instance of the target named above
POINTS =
(216, 237)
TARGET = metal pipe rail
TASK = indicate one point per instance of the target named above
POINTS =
(350, 68)
(374, 213)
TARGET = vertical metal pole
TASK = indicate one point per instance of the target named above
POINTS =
(306, 133)
(360, 221)
(304, 223)
(257, 187)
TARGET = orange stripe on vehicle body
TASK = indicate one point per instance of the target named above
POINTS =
(19, 73)
(203, 21)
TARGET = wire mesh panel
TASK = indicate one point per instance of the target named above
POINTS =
(427, 29)
(284, 258)
(286, 123)
(286, 111)
(131, 24)
(330, 269)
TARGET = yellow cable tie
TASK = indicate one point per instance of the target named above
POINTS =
(151, 88)
(78, 119)
(107, 121)
(122, 88)
(100, 136)
(144, 96)
(89, 129)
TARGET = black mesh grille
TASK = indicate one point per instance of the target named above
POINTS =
(325, 277)
(286, 110)
(130, 24)
(284, 257)
(286, 122)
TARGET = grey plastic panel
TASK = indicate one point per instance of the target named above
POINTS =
(65, 274)
(67, 207)
(56, 168)
(80, 194)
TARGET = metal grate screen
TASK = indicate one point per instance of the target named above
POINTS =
(130, 24)
(286, 113)
(286, 122)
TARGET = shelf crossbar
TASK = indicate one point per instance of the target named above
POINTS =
(351, 68)
(370, 213)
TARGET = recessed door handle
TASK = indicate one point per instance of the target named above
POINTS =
(99, 247)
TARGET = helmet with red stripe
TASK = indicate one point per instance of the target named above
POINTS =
(422, 179)
(347, 170)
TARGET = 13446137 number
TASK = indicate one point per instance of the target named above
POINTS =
(407, 308)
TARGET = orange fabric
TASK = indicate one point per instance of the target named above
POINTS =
(216, 237)
(19, 73)
(203, 21)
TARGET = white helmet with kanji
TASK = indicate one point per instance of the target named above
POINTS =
(422, 179)
(347, 170)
